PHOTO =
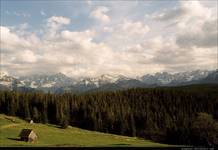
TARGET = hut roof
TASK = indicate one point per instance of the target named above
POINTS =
(25, 132)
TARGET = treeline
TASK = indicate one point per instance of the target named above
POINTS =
(180, 115)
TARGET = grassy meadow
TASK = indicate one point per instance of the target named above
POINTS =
(52, 135)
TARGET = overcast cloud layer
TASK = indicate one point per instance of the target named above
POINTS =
(132, 43)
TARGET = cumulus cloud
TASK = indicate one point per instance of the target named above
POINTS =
(203, 36)
(167, 55)
(128, 46)
(100, 14)
(194, 43)
(107, 29)
(69, 52)
(26, 56)
(185, 11)
(199, 29)
(196, 24)
(54, 23)
(134, 28)
(126, 34)
(11, 41)
(78, 36)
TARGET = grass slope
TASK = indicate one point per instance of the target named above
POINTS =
(51, 135)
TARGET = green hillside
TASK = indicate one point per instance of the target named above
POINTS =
(52, 135)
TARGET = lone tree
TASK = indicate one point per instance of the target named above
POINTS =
(205, 130)
(35, 114)
(64, 123)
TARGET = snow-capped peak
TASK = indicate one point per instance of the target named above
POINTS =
(110, 78)
(2, 74)
(46, 81)
(61, 81)
(101, 80)
(166, 78)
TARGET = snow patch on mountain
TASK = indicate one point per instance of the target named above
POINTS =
(101, 80)
(49, 84)
(167, 78)
(2, 74)
(61, 81)
(33, 84)
(6, 83)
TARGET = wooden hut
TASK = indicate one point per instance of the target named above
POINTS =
(28, 135)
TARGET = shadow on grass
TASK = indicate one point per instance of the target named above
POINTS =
(54, 126)
(120, 145)
(15, 139)
(67, 145)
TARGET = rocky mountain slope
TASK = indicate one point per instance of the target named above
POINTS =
(60, 83)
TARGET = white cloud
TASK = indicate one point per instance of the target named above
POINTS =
(42, 13)
(26, 56)
(107, 29)
(198, 28)
(69, 52)
(100, 14)
(78, 36)
(194, 42)
(57, 21)
(185, 11)
(54, 23)
(206, 36)
(124, 46)
(23, 26)
(126, 34)
(134, 28)
(11, 41)
(195, 24)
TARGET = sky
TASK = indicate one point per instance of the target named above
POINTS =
(91, 38)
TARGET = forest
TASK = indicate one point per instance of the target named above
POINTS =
(184, 115)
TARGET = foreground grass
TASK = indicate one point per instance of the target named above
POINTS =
(51, 135)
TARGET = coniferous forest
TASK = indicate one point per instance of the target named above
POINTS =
(176, 115)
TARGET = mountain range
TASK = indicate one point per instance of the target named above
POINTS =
(59, 83)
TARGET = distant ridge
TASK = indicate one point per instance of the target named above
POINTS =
(59, 83)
